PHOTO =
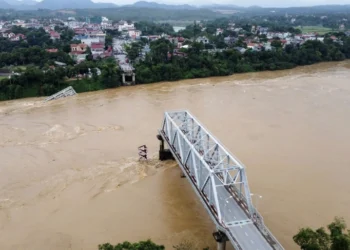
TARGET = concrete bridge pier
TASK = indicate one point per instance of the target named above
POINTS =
(164, 154)
(129, 74)
(220, 239)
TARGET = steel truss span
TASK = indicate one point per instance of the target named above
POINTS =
(219, 179)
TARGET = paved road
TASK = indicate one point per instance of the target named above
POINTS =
(247, 234)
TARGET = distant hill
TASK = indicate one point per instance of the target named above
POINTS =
(221, 6)
(154, 5)
(4, 5)
(320, 9)
(69, 4)
(21, 2)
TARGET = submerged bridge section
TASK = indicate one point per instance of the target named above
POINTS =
(69, 91)
(219, 179)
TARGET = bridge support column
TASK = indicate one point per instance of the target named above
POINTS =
(133, 78)
(221, 239)
(164, 154)
(123, 78)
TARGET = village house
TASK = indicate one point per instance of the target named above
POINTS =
(97, 48)
(97, 34)
(105, 23)
(202, 39)
(80, 31)
(123, 25)
(177, 41)
(47, 29)
(18, 22)
(230, 40)
(17, 37)
(262, 30)
(89, 40)
(8, 34)
(219, 31)
(251, 46)
(134, 34)
(73, 24)
(153, 38)
(78, 48)
(52, 50)
(55, 35)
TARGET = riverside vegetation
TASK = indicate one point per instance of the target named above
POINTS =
(35, 75)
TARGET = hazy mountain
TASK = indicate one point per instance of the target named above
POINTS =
(154, 5)
(69, 4)
(4, 5)
(221, 6)
(21, 2)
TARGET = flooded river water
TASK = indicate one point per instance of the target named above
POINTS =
(70, 176)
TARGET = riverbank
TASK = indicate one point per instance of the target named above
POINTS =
(89, 85)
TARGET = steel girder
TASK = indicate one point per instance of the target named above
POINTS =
(207, 161)
(211, 167)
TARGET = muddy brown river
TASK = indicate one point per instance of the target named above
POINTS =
(70, 176)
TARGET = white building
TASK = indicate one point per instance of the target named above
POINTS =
(134, 33)
(123, 25)
(202, 39)
(90, 40)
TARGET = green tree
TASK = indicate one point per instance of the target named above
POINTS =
(142, 245)
(276, 44)
(110, 76)
(338, 239)
(133, 50)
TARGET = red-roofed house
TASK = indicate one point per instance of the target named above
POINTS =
(97, 48)
(55, 35)
(251, 45)
(108, 52)
(80, 31)
(52, 50)
(18, 37)
(181, 39)
(78, 48)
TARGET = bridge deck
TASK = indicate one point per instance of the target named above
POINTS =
(219, 180)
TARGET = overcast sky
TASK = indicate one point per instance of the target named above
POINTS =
(246, 3)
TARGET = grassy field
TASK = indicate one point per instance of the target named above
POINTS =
(3, 77)
(318, 29)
